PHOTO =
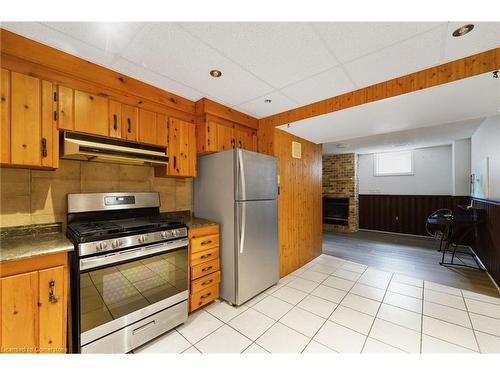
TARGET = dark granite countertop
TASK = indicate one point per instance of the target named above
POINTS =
(29, 241)
(190, 220)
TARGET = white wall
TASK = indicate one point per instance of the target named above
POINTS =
(432, 174)
(460, 156)
(485, 142)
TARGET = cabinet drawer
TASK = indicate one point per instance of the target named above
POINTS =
(205, 242)
(204, 269)
(205, 282)
(203, 297)
(204, 256)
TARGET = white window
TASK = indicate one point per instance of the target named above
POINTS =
(394, 163)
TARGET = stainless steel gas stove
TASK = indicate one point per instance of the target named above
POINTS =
(129, 273)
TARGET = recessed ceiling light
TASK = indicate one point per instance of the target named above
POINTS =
(341, 145)
(215, 73)
(461, 31)
(267, 101)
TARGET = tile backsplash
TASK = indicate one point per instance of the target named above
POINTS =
(39, 196)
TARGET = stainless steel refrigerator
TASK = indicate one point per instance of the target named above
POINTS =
(239, 190)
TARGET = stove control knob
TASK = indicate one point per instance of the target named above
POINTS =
(165, 234)
(116, 243)
(143, 238)
(101, 246)
(175, 232)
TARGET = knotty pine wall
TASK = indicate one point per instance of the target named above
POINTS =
(300, 200)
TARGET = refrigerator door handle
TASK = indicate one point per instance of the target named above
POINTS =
(243, 214)
(241, 170)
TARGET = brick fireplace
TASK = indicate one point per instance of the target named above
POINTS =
(340, 193)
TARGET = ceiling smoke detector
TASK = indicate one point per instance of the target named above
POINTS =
(461, 31)
(267, 101)
(215, 73)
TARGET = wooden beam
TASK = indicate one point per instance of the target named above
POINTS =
(455, 70)
(50, 63)
(209, 106)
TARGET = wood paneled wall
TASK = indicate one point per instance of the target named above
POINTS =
(454, 70)
(299, 202)
(402, 213)
(487, 237)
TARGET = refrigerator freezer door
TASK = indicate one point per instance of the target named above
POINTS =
(256, 248)
(256, 176)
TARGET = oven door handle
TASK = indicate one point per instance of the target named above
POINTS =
(103, 260)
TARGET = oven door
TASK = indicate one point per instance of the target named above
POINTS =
(119, 289)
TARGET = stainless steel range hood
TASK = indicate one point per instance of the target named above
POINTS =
(94, 148)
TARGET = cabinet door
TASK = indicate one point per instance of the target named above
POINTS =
(249, 140)
(130, 120)
(182, 148)
(25, 120)
(225, 138)
(91, 113)
(115, 119)
(147, 127)
(52, 311)
(5, 117)
(50, 135)
(18, 312)
(161, 130)
(210, 130)
(65, 110)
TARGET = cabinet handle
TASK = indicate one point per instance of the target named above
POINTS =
(206, 256)
(52, 292)
(203, 297)
(208, 282)
(207, 242)
(115, 121)
(233, 143)
(129, 125)
(206, 269)
(44, 147)
(175, 162)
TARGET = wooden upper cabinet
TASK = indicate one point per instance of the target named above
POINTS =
(147, 127)
(161, 130)
(50, 135)
(130, 122)
(5, 117)
(115, 119)
(91, 113)
(65, 106)
(181, 150)
(225, 136)
(26, 120)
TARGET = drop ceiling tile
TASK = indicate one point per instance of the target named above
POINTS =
(324, 85)
(351, 40)
(403, 58)
(260, 109)
(278, 52)
(484, 36)
(166, 49)
(138, 72)
(108, 36)
(53, 38)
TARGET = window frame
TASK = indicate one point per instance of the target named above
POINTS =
(375, 164)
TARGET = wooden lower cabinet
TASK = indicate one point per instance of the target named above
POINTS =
(204, 266)
(33, 301)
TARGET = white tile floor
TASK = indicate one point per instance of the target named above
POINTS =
(331, 305)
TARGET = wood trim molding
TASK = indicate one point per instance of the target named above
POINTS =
(452, 71)
(213, 108)
(26, 56)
